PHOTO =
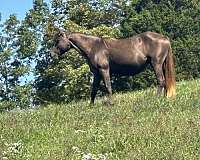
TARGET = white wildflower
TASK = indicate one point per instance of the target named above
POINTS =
(76, 149)
(101, 157)
(79, 131)
(87, 156)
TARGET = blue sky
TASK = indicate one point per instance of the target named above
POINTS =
(18, 7)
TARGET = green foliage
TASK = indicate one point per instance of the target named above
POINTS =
(27, 43)
(88, 13)
(138, 126)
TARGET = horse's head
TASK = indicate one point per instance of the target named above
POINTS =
(61, 44)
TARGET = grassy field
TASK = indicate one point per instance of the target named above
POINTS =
(138, 126)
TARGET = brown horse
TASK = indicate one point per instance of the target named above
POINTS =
(121, 56)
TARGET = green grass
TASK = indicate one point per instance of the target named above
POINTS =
(138, 126)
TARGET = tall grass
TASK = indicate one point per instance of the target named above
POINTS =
(138, 126)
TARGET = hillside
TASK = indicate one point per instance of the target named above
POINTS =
(138, 126)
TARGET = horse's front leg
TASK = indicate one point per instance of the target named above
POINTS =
(106, 78)
(95, 85)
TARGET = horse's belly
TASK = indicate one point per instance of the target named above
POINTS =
(122, 69)
(128, 63)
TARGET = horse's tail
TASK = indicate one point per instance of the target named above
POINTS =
(170, 74)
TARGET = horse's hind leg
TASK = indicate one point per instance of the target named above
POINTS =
(159, 76)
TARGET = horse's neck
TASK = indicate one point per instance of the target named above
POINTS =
(82, 43)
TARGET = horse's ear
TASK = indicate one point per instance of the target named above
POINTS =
(62, 31)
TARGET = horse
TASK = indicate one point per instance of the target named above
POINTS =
(128, 56)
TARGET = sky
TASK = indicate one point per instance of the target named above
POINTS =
(18, 7)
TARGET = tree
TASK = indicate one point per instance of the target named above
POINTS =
(13, 93)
